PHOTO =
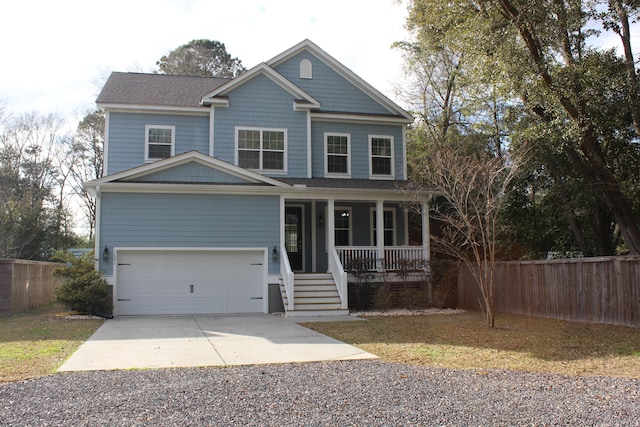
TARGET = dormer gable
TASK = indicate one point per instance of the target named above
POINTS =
(219, 96)
(300, 55)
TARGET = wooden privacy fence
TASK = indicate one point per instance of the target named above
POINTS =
(597, 290)
(25, 285)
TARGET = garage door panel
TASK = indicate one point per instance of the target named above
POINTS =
(189, 282)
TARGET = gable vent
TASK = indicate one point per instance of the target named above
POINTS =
(306, 70)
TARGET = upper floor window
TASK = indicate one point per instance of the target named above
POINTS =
(306, 69)
(337, 154)
(159, 142)
(381, 153)
(261, 149)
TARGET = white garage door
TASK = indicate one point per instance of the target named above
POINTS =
(189, 282)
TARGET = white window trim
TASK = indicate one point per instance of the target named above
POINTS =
(372, 225)
(327, 174)
(342, 208)
(261, 129)
(393, 168)
(146, 141)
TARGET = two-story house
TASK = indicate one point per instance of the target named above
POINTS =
(216, 189)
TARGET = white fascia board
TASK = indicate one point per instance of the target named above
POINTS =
(185, 158)
(298, 193)
(215, 102)
(343, 71)
(356, 118)
(130, 108)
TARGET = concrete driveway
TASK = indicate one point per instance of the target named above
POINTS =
(128, 342)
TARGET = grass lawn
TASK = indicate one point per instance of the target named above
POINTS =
(516, 343)
(38, 342)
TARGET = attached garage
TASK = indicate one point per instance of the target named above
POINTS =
(190, 281)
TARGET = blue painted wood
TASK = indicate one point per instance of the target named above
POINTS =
(360, 159)
(192, 172)
(262, 103)
(334, 92)
(189, 220)
(127, 137)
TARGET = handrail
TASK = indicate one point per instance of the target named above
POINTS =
(287, 276)
(339, 276)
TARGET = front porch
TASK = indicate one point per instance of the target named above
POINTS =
(323, 241)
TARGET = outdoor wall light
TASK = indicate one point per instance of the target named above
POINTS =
(321, 220)
(105, 254)
(274, 253)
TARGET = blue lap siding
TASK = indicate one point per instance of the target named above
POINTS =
(127, 136)
(189, 220)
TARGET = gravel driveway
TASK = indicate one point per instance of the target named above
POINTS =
(359, 393)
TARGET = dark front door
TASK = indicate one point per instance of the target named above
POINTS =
(293, 236)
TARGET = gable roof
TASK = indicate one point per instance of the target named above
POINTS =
(191, 156)
(300, 95)
(345, 72)
(131, 89)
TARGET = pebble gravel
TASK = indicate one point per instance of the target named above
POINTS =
(349, 393)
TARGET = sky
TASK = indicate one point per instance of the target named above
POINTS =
(58, 53)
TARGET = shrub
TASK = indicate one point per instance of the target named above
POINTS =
(83, 288)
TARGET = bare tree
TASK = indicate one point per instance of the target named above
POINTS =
(472, 184)
(86, 162)
(33, 215)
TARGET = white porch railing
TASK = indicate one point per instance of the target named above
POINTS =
(395, 258)
(287, 276)
(339, 276)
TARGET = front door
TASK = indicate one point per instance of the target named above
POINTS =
(293, 236)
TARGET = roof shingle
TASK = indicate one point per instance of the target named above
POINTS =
(156, 89)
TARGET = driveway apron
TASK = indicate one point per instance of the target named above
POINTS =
(138, 342)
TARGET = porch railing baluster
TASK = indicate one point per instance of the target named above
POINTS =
(395, 257)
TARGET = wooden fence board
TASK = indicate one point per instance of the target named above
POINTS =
(599, 290)
(25, 285)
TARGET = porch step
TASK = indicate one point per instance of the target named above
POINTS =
(314, 295)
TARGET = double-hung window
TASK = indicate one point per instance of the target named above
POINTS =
(388, 220)
(342, 226)
(337, 154)
(381, 154)
(159, 142)
(261, 149)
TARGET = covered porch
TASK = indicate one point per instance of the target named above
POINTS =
(330, 237)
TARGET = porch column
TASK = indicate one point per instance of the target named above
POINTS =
(426, 234)
(331, 234)
(380, 232)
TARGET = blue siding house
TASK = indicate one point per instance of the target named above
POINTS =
(234, 195)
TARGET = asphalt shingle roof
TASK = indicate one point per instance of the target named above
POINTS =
(156, 89)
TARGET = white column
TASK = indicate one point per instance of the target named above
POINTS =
(426, 235)
(331, 233)
(380, 231)
(314, 237)
(282, 209)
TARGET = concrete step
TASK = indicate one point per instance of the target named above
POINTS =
(312, 313)
(316, 293)
(317, 300)
(316, 306)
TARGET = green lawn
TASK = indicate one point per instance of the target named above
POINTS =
(38, 342)
(517, 342)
